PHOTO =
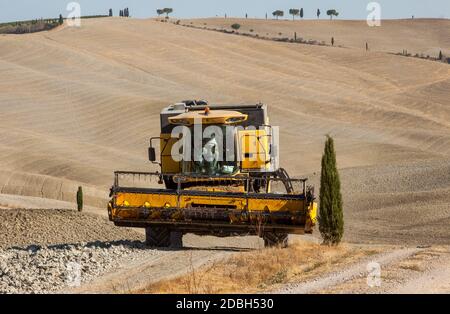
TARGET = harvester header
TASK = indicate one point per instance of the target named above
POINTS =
(219, 167)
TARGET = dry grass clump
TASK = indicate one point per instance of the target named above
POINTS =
(261, 270)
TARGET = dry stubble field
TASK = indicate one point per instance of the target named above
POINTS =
(78, 104)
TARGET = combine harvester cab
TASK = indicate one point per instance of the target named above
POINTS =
(223, 182)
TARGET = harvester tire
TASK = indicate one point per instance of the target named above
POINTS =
(163, 237)
(272, 239)
(157, 236)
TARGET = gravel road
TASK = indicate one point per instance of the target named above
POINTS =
(44, 269)
(46, 250)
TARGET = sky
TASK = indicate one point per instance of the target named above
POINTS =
(13, 10)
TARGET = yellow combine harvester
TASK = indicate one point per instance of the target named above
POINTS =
(219, 166)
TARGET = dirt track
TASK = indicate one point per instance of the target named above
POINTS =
(401, 270)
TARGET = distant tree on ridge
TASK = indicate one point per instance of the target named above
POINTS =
(294, 13)
(332, 13)
(167, 11)
(278, 13)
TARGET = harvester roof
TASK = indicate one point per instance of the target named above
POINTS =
(256, 113)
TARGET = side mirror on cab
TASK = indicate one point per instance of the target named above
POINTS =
(151, 154)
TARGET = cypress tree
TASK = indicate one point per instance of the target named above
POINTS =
(331, 217)
(80, 199)
(440, 54)
(61, 20)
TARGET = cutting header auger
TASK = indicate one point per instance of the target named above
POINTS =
(219, 176)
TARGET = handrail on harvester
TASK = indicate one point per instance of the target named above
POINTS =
(179, 178)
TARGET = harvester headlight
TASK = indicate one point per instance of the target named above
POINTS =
(147, 204)
(167, 205)
(125, 203)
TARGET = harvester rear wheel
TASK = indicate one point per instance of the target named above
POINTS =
(163, 237)
(272, 239)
